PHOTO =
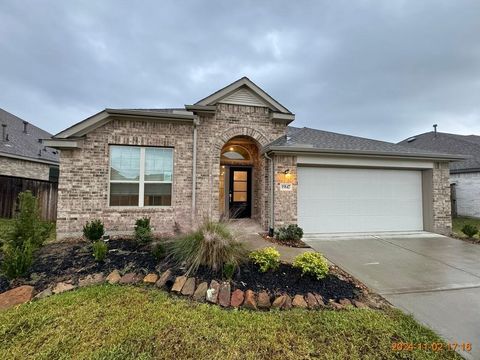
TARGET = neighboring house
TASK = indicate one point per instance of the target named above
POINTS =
(464, 174)
(26, 164)
(232, 154)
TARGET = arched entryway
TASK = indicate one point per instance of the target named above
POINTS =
(241, 173)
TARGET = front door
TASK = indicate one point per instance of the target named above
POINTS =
(240, 194)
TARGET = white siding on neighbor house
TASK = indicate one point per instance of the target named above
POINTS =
(244, 96)
(467, 188)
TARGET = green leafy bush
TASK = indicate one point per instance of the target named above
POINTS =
(267, 258)
(469, 230)
(100, 249)
(211, 245)
(17, 259)
(93, 230)
(229, 270)
(289, 233)
(312, 263)
(143, 231)
(159, 251)
(26, 235)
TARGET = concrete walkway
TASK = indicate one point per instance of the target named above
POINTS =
(433, 277)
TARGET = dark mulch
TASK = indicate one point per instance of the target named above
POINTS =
(73, 260)
(290, 243)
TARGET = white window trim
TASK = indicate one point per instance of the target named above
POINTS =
(141, 181)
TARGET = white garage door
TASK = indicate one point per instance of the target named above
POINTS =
(332, 200)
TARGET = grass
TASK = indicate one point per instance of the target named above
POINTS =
(111, 322)
(459, 222)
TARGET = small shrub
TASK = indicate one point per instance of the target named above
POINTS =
(143, 231)
(211, 245)
(27, 234)
(100, 249)
(159, 251)
(17, 259)
(93, 230)
(311, 263)
(470, 230)
(229, 270)
(289, 233)
(267, 258)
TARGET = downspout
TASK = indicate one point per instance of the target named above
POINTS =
(271, 179)
(196, 122)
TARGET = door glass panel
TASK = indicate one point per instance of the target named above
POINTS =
(240, 175)
(240, 186)
(239, 196)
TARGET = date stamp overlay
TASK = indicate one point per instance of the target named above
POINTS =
(432, 346)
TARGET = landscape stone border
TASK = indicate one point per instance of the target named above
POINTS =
(217, 292)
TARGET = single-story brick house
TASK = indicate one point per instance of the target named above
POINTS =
(233, 154)
(464, 174)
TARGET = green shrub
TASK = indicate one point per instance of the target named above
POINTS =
(93, 230)
(267, 258)
(159, 251)
(143, 231)
(17, 259)
(26, 235)
(289, 233)
(100, 249)
(469, 230)
(27, 223)
(311, 263)
(229, 270)
(211, 245)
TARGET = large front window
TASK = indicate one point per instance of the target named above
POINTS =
(140, 176)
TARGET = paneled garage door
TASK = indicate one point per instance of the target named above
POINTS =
(332, 200)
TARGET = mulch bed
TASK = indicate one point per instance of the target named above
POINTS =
(65, 261)
(294, 244)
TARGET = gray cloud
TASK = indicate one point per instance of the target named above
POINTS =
(380, 69)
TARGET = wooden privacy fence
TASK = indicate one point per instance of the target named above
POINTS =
(45, 191)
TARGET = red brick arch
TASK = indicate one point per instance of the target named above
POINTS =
(232, 132)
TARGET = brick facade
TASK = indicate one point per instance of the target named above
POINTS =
(442, 212)
(84, 180)
(25, 169)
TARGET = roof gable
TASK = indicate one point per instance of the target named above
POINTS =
(243, 92)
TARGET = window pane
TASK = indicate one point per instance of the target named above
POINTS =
(240, 186)
(124, 163)
(158, 195)
(240, 175)
(123, 194)
(158, 164)
(239, 196)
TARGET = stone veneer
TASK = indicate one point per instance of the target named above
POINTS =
(23, 168)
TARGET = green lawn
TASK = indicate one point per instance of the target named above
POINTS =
(112, 322)
(459, 222)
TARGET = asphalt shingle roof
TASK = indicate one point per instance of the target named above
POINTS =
(329, 141)
(24, 144)
(451, 143)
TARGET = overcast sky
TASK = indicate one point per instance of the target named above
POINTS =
(379, 69)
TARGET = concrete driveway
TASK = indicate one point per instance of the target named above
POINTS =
(433, 277)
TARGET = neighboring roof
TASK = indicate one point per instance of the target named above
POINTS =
(450, 143)
(24, 145)
(83, 127)
(306, 140)
(239, 85)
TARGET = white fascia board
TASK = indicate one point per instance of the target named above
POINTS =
(63, 143)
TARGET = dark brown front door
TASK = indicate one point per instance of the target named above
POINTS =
(240, 196)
